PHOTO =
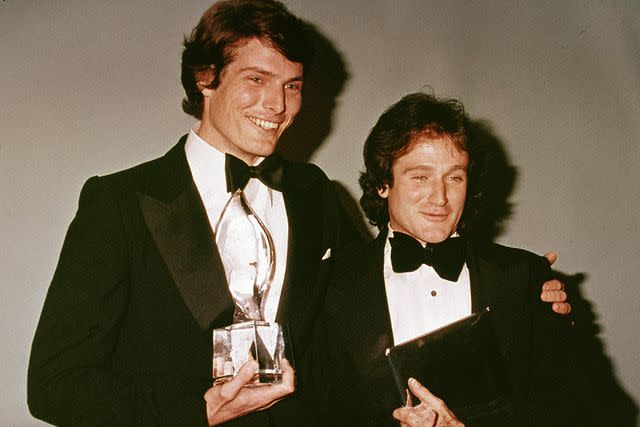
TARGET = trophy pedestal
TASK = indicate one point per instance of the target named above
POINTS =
(236, 344)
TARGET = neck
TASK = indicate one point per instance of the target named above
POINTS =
(208, 134)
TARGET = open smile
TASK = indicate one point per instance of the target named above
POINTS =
(264, 124)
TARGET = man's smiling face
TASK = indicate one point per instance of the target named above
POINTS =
(429, 188)
(259, 95)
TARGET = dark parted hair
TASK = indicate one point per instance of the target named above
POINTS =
(397, 129)
(224, 27)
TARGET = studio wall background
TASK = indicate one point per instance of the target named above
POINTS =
(90, 87)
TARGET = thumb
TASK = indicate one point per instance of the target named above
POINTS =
(230, 389)
(435, 403)
(423, 393)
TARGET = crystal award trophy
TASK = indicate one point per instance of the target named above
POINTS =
(248, 255)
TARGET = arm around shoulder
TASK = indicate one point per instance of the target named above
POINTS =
(559, 381)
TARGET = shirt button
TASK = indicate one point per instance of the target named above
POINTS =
(434, 293)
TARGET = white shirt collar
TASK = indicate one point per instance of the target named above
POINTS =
(206, 164)
(420, 301)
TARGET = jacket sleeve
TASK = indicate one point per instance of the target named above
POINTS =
(71, 377)
(559, 385)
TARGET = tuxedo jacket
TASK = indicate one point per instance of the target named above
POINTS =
(124, 337)
(535, 343)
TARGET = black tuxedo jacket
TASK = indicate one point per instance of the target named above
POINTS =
(534, 342)
(124, 338)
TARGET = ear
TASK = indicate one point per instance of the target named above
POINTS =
(204, 79)
(383, 191)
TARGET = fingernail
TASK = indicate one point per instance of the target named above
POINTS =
(412, 380)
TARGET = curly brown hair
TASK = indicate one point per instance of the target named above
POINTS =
(419, 114)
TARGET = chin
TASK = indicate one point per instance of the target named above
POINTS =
(269, 146)
(264, 149)
(434, 237)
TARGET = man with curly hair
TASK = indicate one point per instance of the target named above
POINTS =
(424, 187)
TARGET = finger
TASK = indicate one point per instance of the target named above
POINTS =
(409, 402)
(561, 307)
(424, 394)
(444, 414)
(276, 392)
(553, 285)
(288, 376)
(230, 389)
(552, 257)
(553, 296)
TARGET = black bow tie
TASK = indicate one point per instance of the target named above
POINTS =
(446, 258)
(238, 173)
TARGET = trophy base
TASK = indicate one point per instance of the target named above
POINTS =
(269, 376)
(236, 344)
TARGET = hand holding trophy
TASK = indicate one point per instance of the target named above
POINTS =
(248, 255)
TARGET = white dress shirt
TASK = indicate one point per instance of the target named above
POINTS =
(420, 301)
(207, 166)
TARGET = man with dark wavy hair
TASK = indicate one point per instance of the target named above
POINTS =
(420, 115)
(223, 28)
(423, 187)
(124, 338)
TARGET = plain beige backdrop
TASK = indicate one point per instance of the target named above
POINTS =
(89, 87)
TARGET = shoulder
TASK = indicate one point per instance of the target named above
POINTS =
(154, 169)
(310, 186)
(505, 254)
(304, 174)
(355, 252)
(511, 259)
(357, 260)
(162, 174)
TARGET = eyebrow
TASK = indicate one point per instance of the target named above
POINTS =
(430, 168)
(264, 72)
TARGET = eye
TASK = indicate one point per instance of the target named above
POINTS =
(456, 178)
(295, 87)
(420, 178)
(256, 79)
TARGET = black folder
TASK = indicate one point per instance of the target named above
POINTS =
(459, 363)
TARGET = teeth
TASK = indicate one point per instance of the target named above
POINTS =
(264, 124)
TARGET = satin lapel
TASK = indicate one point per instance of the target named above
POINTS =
(359, 304)
(301, 295)
(494, 280)
(477, 275)
(497, 283)
(181, 231)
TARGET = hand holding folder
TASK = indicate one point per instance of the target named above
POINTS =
(430, 411)
(459, 363)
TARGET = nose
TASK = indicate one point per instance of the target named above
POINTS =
(274, 99)
(438, 195)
